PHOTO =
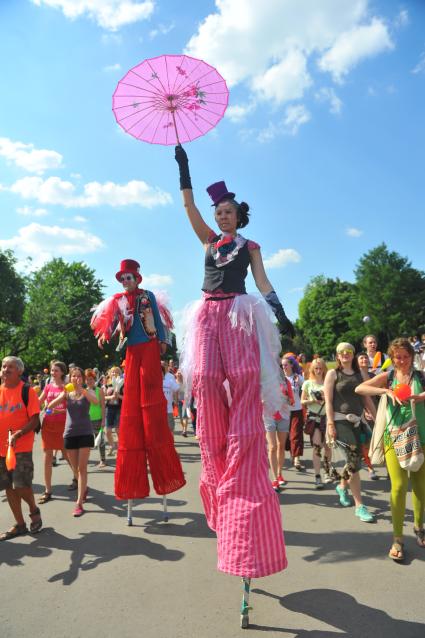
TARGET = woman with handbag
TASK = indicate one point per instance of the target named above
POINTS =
(313, 399)
(399, 414)
(344, 409)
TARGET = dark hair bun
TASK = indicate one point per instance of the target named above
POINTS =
(243, 215)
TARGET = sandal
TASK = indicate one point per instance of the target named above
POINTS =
(36, 522)
(396, 552)
(73, 485)
(16, 530)
(420, 537)
(45, 498)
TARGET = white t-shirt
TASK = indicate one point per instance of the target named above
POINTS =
(296, 381)
(169, 386)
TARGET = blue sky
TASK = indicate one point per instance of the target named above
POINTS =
(323, 135)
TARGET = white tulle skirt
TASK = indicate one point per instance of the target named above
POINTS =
(250, 313)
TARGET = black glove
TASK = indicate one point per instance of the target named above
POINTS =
(183, 162)
(285, 326)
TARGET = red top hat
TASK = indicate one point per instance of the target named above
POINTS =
(129, 266)
(218, 192)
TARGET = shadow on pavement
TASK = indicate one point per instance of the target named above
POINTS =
(333, 547)
(87, 552)
(340, 611)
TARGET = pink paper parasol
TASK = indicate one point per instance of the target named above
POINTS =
(170, 99)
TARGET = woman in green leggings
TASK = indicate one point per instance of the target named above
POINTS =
(402, 355)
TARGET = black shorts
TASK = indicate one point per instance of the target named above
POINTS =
(77, 442)
(113, 414)
(21, 476)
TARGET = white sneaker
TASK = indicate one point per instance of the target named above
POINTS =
(327, 478)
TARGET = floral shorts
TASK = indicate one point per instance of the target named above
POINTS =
(21, 476)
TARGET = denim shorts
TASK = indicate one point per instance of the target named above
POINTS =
(271, 425)
(21, 476)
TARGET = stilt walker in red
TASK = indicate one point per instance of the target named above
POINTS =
(145, 438)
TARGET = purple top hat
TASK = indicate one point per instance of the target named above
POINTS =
(218, 191)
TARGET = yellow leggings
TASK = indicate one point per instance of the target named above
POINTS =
(399, 480)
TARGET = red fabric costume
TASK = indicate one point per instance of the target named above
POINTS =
(145, 437)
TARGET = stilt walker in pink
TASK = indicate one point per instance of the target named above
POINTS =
(232, 339)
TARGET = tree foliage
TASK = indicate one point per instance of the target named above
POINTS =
(12, 299)
(56, 319)
(391, 292)
(325, 313)
(387, 289)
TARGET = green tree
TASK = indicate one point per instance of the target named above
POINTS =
(56, 320)
(391, 292)
(12, 300)
(325, 314)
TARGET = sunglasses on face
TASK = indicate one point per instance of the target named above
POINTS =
(126, 278)
(345, 352)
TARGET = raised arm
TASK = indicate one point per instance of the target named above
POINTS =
(266, 289)
(198, 224)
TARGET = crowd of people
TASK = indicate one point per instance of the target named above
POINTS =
(333, 405)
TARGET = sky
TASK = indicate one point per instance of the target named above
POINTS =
(323, 136)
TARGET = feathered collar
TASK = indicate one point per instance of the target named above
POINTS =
(226, 249)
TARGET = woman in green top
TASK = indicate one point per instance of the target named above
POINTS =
(402, 355)
(97, 414)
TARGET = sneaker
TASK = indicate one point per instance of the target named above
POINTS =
(373, 475)
(101, 465)
(78, 510)
(327, 478)
(281, 480)
(364, 515)
(275, 486)
(318, 483)
(344, 499)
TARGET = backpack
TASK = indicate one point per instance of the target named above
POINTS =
(25, 398)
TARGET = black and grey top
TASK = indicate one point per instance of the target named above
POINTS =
(226, 266)
(78, 421)
(345, 400)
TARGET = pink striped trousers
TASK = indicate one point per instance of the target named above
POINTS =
(239, 502)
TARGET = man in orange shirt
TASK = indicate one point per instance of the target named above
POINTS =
(21, 420)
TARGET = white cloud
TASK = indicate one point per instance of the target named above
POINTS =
(161, 29)
(28, 157)
(157, 281)
(295, 116)
(108, 14)
(238, 112)
(420, 67)
(282, 257)
(327, 94)
(353, 46)
(44, 242)
(268, 45)
(296, 289)
(284, 81)
(111, 68)
(354, 232)
(59, 192)
(28, 211)
(402, 19)
(80, 219)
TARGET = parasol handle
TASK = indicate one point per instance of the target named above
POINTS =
(175, 126)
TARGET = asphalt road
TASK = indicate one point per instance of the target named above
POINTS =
(95, 576)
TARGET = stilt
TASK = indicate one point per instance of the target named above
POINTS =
(129, 512)
(164, 504)
(246, 584)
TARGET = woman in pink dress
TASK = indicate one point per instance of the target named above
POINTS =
(229, 337)
(53, 424)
